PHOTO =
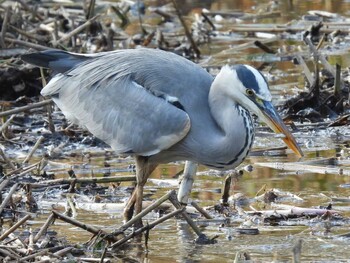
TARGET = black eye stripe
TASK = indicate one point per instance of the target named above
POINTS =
(248, 77)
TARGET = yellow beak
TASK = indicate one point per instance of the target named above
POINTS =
(274, 121)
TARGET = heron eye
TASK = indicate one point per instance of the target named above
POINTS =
(249, 92)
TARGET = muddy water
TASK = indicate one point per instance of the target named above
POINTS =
(172, 241)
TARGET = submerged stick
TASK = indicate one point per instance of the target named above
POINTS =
(144, 212)
(226, 190)
(25, 108)
(233, 14)
(297, 251)
(30, 202)
(261, 16)
(321, 57)
(337, 82)
(176, 203)
(320, 43)
(97, 180)
(201, 210)
(305, 168)
(147, 227)
(279, 28)
(94, 260)
(292, 212)
(264, 47)
(70, 208)
(91, 229)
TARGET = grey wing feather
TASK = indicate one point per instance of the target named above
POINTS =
(116, 102)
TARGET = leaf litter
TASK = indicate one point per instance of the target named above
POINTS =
(41, 153)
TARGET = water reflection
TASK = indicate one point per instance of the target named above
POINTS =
(290, 9)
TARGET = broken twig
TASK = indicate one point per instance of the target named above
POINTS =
(86, 227)
(14, 227)
(25, 108)
(35, 147)
(97, 180)
(201, 210)
(8, 197)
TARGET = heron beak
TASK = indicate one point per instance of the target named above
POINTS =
(274, 121)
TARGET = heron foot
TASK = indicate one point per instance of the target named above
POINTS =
(130, 206)
(204, 240)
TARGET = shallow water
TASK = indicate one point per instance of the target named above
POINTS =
(172, 241)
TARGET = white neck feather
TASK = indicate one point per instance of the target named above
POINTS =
(232, 119)
(222, 106)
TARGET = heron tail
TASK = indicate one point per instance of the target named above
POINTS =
(57, 60)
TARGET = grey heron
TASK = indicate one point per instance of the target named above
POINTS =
(160, 107)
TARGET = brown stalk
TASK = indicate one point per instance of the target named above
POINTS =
(25, 108)
(15, 226)
(187, 31)
(86, 227)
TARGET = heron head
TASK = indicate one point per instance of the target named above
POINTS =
(248, 87)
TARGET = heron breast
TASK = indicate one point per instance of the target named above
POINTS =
(236, 157)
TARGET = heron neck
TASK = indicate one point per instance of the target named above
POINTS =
(236, 129)
(224, 110)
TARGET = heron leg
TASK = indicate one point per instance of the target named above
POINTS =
(129, 208)
(187, 182)
(143, 171)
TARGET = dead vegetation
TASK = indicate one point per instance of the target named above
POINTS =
(29, 122)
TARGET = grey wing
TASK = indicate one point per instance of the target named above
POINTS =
(116, 109)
